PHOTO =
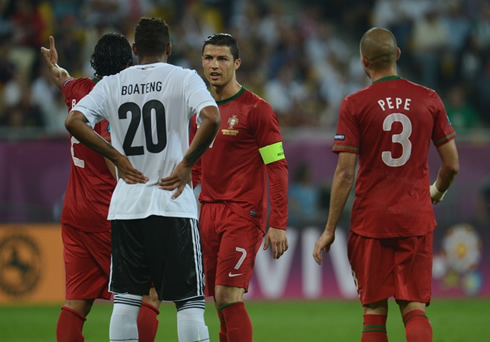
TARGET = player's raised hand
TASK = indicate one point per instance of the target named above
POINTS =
(323, 243)
(278, 240)
(58, 74)
(50, 55)
(127, 172)
(181, 176)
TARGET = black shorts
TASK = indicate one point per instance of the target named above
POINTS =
(164, 252)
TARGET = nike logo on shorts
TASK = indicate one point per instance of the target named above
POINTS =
(231, 275)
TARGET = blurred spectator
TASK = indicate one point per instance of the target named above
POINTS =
(302, 57)
(46, 96)
(28, 24)
(24, 114)
(429, 39)
(303, 199)
(282, 92)
(395, 16)
(28, 29)
(461, 113)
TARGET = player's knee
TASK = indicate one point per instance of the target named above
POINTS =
(82, 306)
(225, 295)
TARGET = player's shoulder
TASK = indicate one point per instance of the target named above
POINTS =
(72, 81)
(253, 99)
(76, 88)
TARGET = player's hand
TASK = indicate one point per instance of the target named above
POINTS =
(181, 176)
(127, 172)
(278, 241)
(435, 195)
(50, 55)
(323, 244)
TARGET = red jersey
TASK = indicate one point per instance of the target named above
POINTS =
(90, 184)
(235, 168)
(390, 125)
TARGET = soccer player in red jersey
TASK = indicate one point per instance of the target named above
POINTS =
(389, 126)
(233, 174)
(86, 232)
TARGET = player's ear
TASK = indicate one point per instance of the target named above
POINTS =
(238, 62)
(135, 51)
(398, 53)
(168, 52)
(364, 61)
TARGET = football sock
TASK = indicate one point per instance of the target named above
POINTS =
(222, 325)
(147, 322)
(123, 325)
(190, 321)
(417, 326)
(70, 325)
(374, 329)
(238, 325)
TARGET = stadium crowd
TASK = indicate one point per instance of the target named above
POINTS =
(302, 57)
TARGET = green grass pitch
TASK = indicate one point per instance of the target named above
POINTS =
(459, 320)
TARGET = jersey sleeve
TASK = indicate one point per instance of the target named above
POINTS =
(443, 131)
(197, 169)
(93, 105)
(265, 126)
(347, 134)
(67, 91)
(197, 94)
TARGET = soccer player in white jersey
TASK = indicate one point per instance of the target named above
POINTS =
(155, 238)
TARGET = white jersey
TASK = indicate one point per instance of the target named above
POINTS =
(149, 107)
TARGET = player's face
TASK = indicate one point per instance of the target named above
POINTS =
(219, 66)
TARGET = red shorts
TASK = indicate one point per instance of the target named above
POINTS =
(87, 263)
(394, 267)
(230, 243)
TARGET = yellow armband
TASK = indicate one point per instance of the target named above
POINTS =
(272, 153)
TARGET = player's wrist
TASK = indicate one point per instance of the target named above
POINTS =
(436, 194)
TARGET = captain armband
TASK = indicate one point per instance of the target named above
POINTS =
(272, 153)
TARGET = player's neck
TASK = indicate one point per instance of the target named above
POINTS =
(227, 91)
(379, 74)
(152, 59)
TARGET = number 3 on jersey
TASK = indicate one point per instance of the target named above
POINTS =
(153, 112)
(402, 138)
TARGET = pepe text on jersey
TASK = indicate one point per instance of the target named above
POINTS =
(396, 103)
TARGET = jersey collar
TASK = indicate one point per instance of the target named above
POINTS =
(231, 98)
(388, 78)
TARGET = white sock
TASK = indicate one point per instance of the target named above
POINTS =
(191, 326)
(123, 326)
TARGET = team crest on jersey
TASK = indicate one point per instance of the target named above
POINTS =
(232, 121)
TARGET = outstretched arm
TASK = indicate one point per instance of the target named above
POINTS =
(58, 74)
(343, 180)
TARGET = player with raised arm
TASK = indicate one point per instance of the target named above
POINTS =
(389, 127)
(245, 158)
(155, 236)
(86, 232)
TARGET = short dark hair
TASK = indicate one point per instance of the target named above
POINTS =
(223, 39)
(151, 36)
(111, 55)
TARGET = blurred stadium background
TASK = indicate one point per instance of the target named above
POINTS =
(302, 57)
